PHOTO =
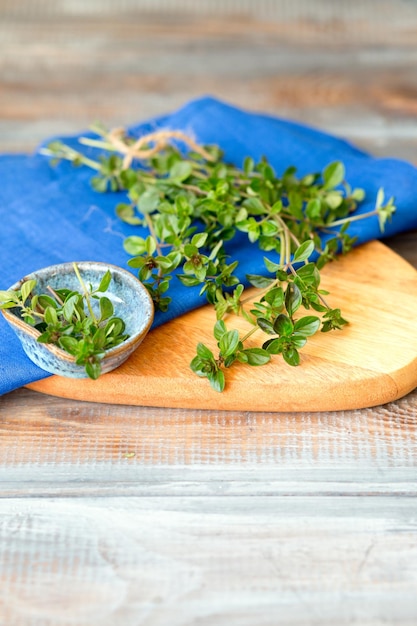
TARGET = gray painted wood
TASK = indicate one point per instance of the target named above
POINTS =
(148, 516)
(126, 515)
(190, 560)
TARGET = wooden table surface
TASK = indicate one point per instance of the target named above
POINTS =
(115, 515)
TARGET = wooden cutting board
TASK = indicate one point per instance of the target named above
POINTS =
(370, 362)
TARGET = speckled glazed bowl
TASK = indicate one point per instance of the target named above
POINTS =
(130, 299)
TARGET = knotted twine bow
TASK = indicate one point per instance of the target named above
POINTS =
(161, 140)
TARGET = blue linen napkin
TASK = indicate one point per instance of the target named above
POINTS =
(52, 215)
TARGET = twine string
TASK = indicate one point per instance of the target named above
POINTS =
(160, 140)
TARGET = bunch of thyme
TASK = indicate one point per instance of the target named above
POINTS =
(194, 204)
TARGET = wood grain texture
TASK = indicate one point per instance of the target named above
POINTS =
(117, 513)
(240, 562)
(113, 514)
(56, 447)
(372, 361)
(348, 68)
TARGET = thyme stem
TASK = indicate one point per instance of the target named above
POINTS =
(86, 293)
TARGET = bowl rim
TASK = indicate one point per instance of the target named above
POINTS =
(56, 350)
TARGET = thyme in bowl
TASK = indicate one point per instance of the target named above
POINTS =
(67, 319)
(193, 205)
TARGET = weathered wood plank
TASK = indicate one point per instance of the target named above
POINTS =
(182, 561)
(168, 483)
(48, 444)
(134, 62)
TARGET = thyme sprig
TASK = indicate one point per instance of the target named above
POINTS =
(194, 204)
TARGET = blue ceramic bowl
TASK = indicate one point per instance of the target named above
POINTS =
(130, 299)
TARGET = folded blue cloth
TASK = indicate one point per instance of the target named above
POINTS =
(52, 215)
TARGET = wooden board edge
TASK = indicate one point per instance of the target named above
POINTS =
(197, 394)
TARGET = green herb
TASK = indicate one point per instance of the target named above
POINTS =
(195, 203)
(66, 318)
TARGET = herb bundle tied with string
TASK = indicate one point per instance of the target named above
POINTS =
(194, 204)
